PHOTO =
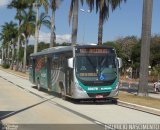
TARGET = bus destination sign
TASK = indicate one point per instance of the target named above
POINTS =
(94, 50)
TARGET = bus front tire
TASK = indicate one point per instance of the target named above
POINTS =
(63, 96)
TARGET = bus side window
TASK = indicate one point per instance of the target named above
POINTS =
(30, 62)
(55, 64)
(40, 63)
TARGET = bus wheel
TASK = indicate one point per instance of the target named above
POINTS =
(113, 100)
(38, 85)
(63, 95)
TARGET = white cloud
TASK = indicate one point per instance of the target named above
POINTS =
(4, 2)
(63, 38)
(45, 37)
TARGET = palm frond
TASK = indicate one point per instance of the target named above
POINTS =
(90, 3)
(44, 20)
(53, 4)
(116, 3)
(45, 4)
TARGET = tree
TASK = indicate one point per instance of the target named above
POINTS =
(135, 58)
(126, 45)
(27, 29)
(8, 36)
(43, 46)
(54, 5)
(38, 3)
(155, 53)
(14, 41)
(145, 47)
(43, 20)
(73, 14)
(103, 6)
(19, 5)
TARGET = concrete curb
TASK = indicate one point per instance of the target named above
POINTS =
(139, 107)
(15, 74)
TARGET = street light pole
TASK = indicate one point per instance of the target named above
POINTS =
(84, 24)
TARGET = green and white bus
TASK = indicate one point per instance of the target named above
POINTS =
(79, 72)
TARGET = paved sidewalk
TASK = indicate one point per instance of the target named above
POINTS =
(156, 95)
(132, 87)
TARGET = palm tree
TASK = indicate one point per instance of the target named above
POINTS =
(145, 47)
(1, 55)
(43, 20)
(4, 46)
(13, 50)
(27, 29)
(103, 7)
(73, 13)
(54, 5)
(8, 35)
(38, 3)
(19, 5)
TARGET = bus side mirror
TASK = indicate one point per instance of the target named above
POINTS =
(70, 62)
(119, 62)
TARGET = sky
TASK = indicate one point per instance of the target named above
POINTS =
(126, 20)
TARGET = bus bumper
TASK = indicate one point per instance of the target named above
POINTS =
(81, 94)
(114, 93)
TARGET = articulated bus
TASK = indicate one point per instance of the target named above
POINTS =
(78, 72)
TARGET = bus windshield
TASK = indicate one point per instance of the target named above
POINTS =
(96, 68)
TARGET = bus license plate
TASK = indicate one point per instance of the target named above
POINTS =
(99, 96)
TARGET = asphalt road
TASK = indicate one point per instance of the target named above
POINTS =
(20, 103)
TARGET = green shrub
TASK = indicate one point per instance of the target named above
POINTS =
(6, 66)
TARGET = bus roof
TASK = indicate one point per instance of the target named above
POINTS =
(64, 49)
(53, 50)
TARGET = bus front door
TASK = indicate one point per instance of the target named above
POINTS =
(68, 80)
